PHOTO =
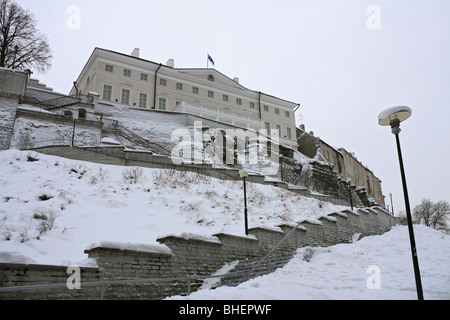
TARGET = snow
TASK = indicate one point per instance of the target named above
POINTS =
(374, 268)
(140, 247)
(97, 205)
(94, 203)
(192, 236)
(109, 140)
(400, 112)
(208, 283)
(386, 113)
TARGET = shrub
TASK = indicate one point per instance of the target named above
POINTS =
(31, 158)
(47, 220)
(132, 175)
(307, 254)
(44, 197)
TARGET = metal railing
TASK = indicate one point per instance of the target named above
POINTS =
(188, 278)
(29, 145)
(105, 283)
(274, 248)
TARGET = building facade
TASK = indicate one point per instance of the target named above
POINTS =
(360, 175)
(345, 163)
(137, 83)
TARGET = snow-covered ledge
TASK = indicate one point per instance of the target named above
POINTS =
(129, 247)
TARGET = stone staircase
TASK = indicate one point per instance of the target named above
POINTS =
(252, 268)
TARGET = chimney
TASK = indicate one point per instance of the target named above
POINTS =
(170, 63)
(135, 53)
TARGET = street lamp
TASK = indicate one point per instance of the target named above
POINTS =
(392, 117)
(74, 117)
(392, 206)
(349, 180)
(244, 175)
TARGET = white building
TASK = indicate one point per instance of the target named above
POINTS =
(137, 83)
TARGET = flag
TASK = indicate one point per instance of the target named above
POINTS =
(210, 59)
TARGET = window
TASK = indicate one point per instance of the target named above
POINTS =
(107, 92)
(289, 133)
(277, 111)
(278, 129)
(252, 105)
(144, 77)
(125, 96)
(127, 73)
(266, 108)
(287, 114)
(267, 126)
(142, 100)
(238, 101)
(162, 104)
(163, 82)
(225, 98)
(109, 68)
(179, 86)
(82, 113)
(195, 90)
(211, 94)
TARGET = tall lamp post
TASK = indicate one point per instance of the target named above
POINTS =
(349, 180)
(392, 206)
(75, 117)
(244, 175)
(392, 117)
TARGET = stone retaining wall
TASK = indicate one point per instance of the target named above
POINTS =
(181, 256)
(33, 274)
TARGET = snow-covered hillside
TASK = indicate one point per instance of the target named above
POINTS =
(52, 208)
(376, 267)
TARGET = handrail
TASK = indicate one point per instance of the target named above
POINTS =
(274, 248)
(141, 138)
(111, 282)
(36, 144)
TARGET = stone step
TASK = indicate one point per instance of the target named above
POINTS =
(252, 268)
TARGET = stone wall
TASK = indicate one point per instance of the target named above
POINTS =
(12, 83)
(194, 256)
(119, 155)
(8, 108)
(33, 274)
(12, 87)
(33, 129)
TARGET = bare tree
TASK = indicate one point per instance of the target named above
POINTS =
(441, 212)
(424, 211)
(22, 46)
(434, 215)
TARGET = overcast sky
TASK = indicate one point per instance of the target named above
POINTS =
(344, 61)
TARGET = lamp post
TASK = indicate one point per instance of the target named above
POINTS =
(349, 180)
(74, 117)
(392, 117)
(392, 206)
(244, 175)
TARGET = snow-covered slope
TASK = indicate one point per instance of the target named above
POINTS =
(52, 208)
(376, 267)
